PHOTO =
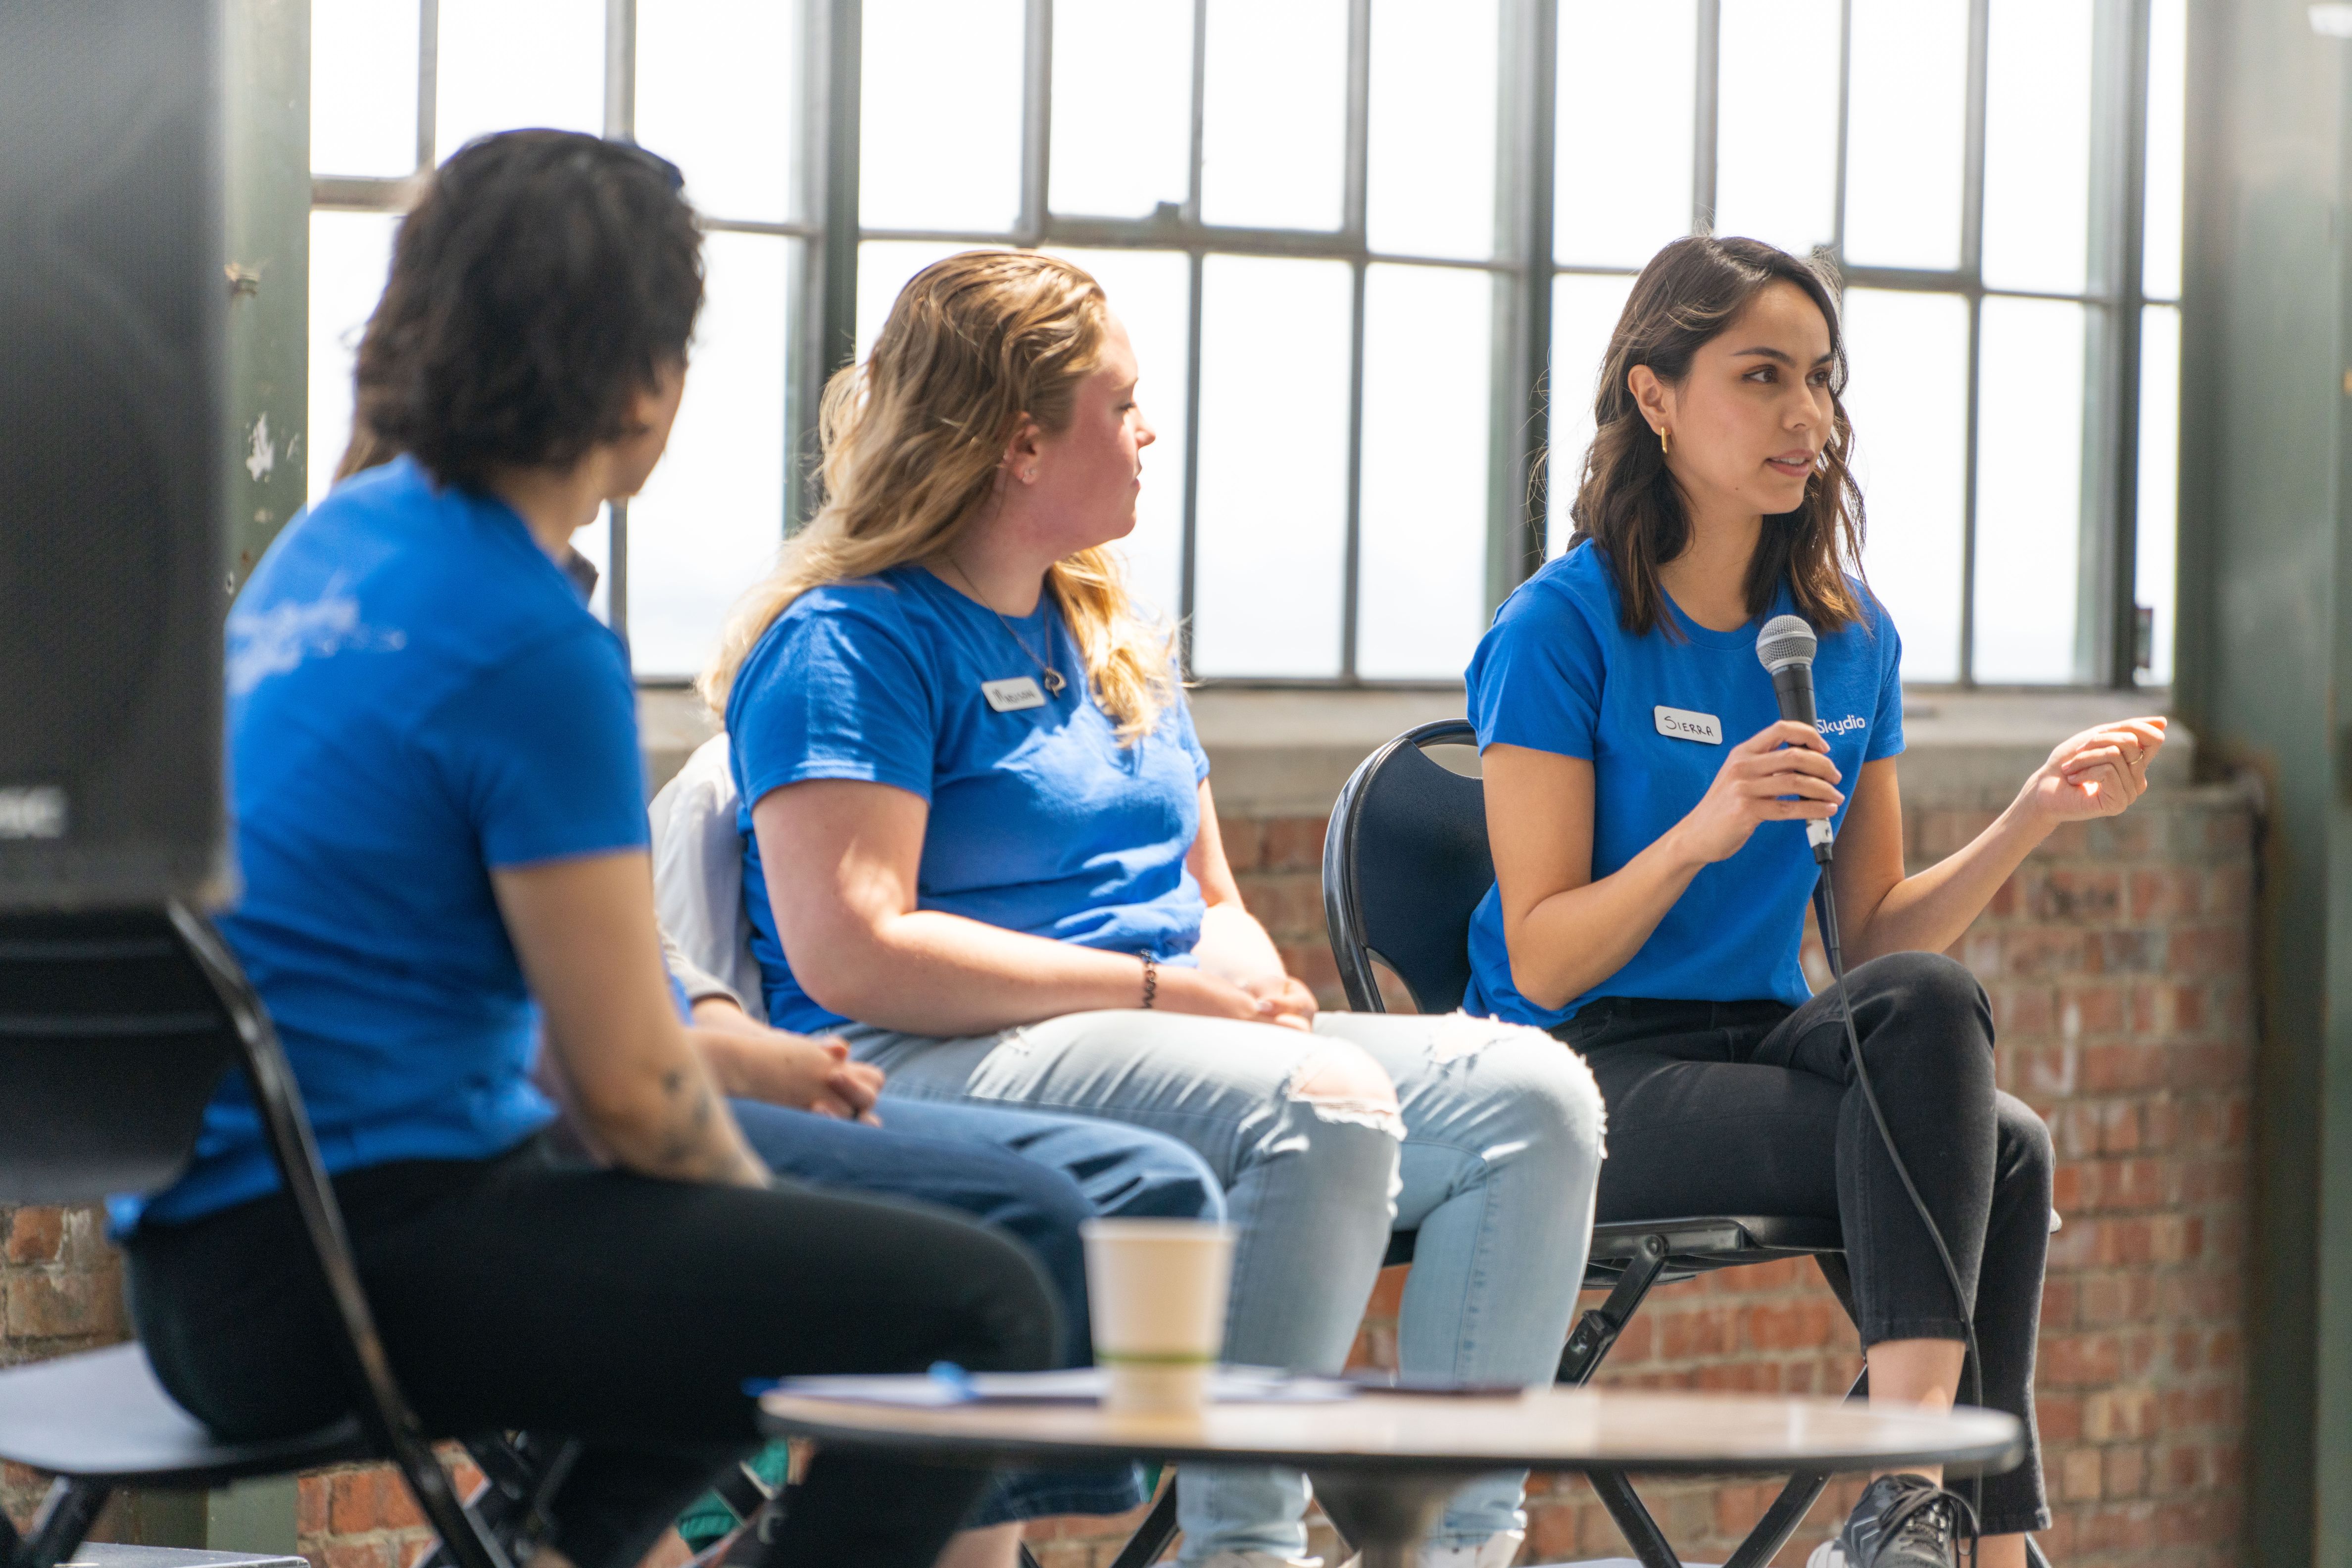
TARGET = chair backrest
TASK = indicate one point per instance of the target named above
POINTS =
(115, 1026)
(699, 872)
(1405, 864)
(110, 1043)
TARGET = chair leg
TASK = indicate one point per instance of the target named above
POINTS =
(1787, 1510)
(1779, 1522)
(1588, 1344)
(66, 1515)
(1634, 1521)
(1840, 1279)
(520, 1475)
(1152, 1536)
(1598, 1329)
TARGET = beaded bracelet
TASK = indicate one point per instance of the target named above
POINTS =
(1151, 979)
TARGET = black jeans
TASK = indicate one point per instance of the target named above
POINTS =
(527, 1292)
(1751, 1107)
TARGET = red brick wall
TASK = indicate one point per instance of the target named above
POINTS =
(2118, 964)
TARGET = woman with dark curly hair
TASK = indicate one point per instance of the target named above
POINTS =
(1650, 812)
(441, 826)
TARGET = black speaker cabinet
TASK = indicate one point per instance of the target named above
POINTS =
(113, 562)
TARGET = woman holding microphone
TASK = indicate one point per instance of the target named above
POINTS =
(1648, 806)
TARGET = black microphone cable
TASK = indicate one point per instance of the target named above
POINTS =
(1825, 915)
(1786, 650)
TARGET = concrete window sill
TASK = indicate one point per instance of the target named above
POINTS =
(1286, 752)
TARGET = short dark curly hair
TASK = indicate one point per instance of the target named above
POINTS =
(544, 279)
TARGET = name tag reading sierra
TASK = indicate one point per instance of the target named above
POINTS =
(1021, 692)
(1680, 724)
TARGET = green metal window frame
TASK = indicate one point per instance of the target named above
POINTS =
(822, 274)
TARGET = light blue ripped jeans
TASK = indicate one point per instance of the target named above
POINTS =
(1501, 1143)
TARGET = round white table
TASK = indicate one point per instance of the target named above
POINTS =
(1391, 1460)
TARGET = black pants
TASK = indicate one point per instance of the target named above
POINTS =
(1751, 1107)
(526, 1292)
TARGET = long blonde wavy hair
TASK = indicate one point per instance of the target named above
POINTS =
(913, 439)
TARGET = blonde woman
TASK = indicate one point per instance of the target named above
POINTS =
(1000, 877)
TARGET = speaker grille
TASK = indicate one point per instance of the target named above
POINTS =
(86, 570)
(111, 443)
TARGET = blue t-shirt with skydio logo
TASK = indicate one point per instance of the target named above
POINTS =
(1041, 821)
(1655, 715)
(417, 696)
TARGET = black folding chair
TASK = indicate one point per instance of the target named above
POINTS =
(1405, 862)
(114, 1028)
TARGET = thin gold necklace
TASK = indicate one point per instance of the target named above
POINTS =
(1054, 681)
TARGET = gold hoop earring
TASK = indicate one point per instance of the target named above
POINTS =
(1665, 447)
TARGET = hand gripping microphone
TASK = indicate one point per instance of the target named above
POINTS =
(1785, 648)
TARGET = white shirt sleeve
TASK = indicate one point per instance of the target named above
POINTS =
(699, 878)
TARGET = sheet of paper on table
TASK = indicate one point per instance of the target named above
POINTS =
(1081, 1386)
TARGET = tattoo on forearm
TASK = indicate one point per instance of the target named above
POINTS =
(696, 1142)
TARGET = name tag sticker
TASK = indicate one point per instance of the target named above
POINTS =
(1680, 724)
(1018, 693)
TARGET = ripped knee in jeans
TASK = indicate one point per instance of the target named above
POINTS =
(1458, 1035)
(1337, 1082)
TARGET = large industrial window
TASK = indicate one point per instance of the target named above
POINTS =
(1369, 251)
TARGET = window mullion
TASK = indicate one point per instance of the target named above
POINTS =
(844, 60)
(1360, 96)
(1189, 557)
(620, 69)
(1351, 570)
(2122, 554)
(1519, 508)
(1352, 222)
(1972, 193)
(1844, 120)
(1188, 570)
(620, 122)
(2104, 582)
(428, 79)
(1036, 120)
(1702, 111)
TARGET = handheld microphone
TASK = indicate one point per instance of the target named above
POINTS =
(1786, 647)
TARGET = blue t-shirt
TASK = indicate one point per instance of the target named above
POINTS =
(1558, 672)
(416, 695)
(1041, 821)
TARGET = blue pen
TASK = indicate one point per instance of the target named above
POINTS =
(952, 1377)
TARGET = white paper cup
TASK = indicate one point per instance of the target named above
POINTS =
(1156, 1290)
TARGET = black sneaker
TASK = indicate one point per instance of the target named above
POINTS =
(1902, 1521)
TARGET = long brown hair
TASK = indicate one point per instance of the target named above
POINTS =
(913, 439)
(1629, 504)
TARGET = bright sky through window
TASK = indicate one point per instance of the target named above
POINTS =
(1327, 252)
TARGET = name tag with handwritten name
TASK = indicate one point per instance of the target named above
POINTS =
(1681, 724)
(1014, 695)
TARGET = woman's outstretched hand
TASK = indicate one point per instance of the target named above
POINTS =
(2095, 774)
(1786, 759)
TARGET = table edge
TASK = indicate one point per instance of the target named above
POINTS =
(1977, 1459)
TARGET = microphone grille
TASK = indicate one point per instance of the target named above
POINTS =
(1785, 640)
